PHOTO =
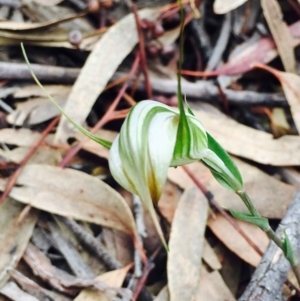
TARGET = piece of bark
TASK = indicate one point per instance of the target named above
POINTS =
(268, 279)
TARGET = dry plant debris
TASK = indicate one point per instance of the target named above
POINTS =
(68, 231)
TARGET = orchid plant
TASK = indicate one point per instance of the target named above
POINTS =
(155, 137)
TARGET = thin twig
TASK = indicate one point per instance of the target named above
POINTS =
(214, 204)
(106, 117)
(141, 232)
(142, 50)
(11, 182)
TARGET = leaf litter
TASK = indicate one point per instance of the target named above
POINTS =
(43, 257)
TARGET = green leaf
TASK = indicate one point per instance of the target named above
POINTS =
(288, 249)
(214, 146)
(97, 139)
(260, 222)
(190, 111)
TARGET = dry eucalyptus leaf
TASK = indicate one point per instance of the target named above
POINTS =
(280, 33)
(270, 196)
(14, 236)
(241, 140)
(35, 111)
(43, 155)
(20, 137)
(73, 194)
(235, 242)
(186, 243)
(212, 287)
(225, 6)
(114, 279)
(36, 91)
(101, 64)
(210, 257)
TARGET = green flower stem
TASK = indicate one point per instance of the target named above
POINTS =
(271, 234)
(247, 201)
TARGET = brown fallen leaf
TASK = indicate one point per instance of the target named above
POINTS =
(113, 279)
(290, 83)
(241, 140)
(186, 243)
(14, 237)
(280, 33)
(235, 242)
(99, 68)
(225, 6)
(73, 194)
(212, 287)
(269, 195)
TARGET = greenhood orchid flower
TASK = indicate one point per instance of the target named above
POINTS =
(150, 142)
(153, 138)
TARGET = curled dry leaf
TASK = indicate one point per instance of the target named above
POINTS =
(73, 194)
(99, 68)
(290, 83)
(235, 242)
(14, 236)
(186, 242)
(225, 6)
(280, 33)
(241, 140)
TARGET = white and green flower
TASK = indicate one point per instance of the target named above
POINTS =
(150, 141)
(153, 138)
